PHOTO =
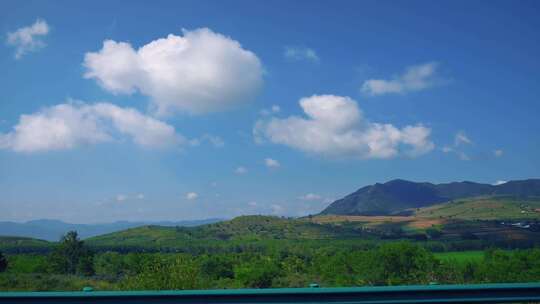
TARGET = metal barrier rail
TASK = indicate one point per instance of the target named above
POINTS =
(482, 293)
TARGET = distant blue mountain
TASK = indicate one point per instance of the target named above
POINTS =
(52, 230)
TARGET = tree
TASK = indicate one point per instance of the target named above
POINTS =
(110, 264)
(217, 266)
(3, 262)
(401, 263)
(258, 273)
(164, 274)
(71, 256)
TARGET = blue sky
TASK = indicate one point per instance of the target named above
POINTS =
(199, 109)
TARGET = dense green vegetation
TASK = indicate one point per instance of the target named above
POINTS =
(269, 252)
(3, 262)
(392, 263)
(462, 257)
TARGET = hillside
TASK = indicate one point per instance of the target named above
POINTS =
(255, 227)
(22, 244)
(484, 208)
(397, 196)
(487, 217)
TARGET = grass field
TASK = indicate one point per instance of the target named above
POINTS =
(484, 208)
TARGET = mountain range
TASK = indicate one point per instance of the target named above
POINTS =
(396, 197)
(399, 196)
(52, 230)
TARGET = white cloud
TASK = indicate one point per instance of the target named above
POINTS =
(241, 170)
(335, 127)
(199, 72)
(121, 197)
(300, 53)
(28, 39)
(310, 197)
(139, 196)
(273, 110)
(415, 78)
(462, 155)
(271, 163)
(215, 141)
(499, 182)
(252, 204)
(276, 209)
(69, 125)
(461, 139)
(192, 196)
(447, 149)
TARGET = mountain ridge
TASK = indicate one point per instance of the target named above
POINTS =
(398, 195)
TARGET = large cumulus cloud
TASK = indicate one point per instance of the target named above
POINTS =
(335, 126)
(199, 72)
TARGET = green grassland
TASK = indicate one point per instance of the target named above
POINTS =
(485, 208)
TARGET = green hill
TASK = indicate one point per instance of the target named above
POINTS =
(21, 241)
(254, 227)
(13, 244)
(485, 208)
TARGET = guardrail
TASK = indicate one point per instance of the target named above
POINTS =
(484, 293)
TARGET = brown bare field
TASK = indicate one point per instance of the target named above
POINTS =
(411, 221)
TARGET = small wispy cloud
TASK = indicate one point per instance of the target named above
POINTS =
(241, 170)
(28, 39)
(214, 140)
(301, 53)
(273, 110)
(415, 78)
(276, 209)
(271, 163)
(125, 197)
(462, 139)
(499, 182)
(192, 196)
(310, 197)
(498, 153)
(463, 156)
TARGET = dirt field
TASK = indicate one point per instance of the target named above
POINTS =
(411, 221)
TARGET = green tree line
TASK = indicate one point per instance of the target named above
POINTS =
(72, 265)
